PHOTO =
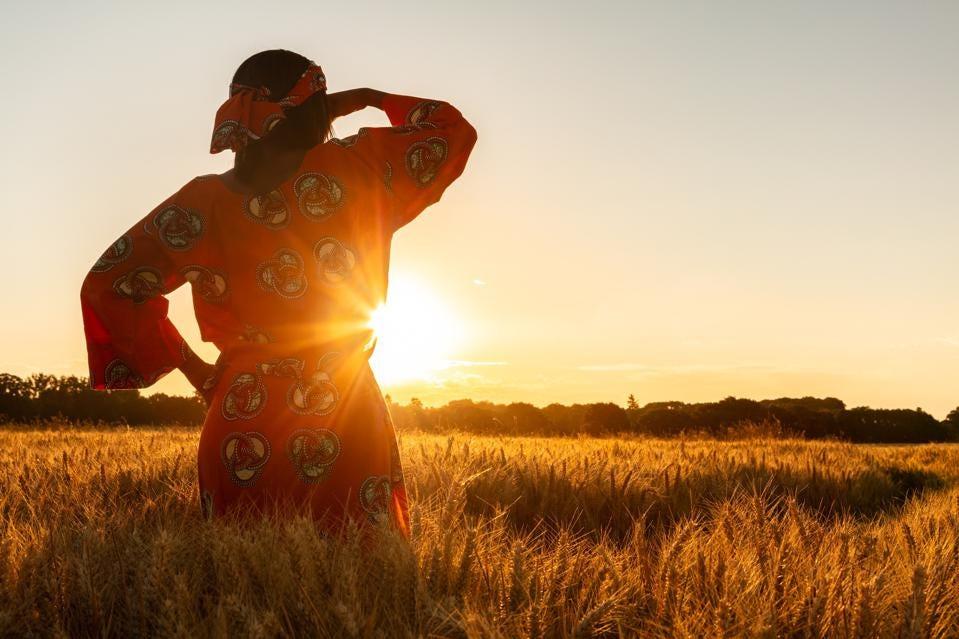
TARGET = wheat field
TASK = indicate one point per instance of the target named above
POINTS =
(512, 537)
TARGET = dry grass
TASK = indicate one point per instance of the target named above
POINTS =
(512, 538)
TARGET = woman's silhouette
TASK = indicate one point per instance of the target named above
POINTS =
(287, 255)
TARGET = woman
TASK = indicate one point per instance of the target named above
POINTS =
(287, 255)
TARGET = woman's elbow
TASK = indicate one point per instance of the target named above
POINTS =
(90, 288)
(469, 134)
(465, 137)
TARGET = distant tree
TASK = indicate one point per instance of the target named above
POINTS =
(15, 399)
(902, 426)
(605, 418)
(521, 417)
(564, 420)
(952, 425)
(665, 421)
(413, 416)
(631, 403)
(475, 416)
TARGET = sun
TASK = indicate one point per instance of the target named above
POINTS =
(416, 333)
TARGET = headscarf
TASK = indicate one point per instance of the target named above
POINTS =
(248, 113)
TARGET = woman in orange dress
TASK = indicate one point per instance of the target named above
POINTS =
(287, 255)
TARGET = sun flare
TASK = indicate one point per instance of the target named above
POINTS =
(416, 333)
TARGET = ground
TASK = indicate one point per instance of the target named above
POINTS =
(512, 537)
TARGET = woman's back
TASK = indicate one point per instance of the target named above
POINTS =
(284, 284)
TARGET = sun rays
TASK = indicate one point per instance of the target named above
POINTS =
(417, 334)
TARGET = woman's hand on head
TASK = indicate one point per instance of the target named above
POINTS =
(346, 102)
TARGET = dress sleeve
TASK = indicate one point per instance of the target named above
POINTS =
(130, 341)
(420, 155)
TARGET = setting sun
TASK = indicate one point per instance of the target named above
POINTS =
(416, 333)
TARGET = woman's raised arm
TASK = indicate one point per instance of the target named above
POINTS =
(419, 156)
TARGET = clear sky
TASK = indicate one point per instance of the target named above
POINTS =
(682, 200)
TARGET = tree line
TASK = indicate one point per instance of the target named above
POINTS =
(808, 417)
(46, 397)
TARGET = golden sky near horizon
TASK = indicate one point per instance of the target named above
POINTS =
(677, 200)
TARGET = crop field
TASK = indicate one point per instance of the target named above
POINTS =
(512, 537)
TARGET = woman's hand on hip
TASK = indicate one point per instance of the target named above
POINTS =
(201, 375)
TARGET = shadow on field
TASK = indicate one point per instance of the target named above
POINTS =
(612, 506)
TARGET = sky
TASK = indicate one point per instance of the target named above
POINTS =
(679, 200)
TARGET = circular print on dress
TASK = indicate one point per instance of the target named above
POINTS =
(208, 284)
(335, 260)
(312, 453)
(314, 396)
(117, 375)
(318, 195)
(178, 228)
(140, 284)
(419, 114)
(283, 274)
(118, 251)
(245, 455)
(423, 159)
(270, 210)
(245, 398)
(376, 493)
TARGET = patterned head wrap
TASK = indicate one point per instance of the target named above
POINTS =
(248, 113)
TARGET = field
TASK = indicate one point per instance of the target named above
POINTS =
(513, 537)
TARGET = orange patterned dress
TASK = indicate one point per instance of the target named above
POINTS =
(283, 284)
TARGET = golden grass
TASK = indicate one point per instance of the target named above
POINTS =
(513, 537)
